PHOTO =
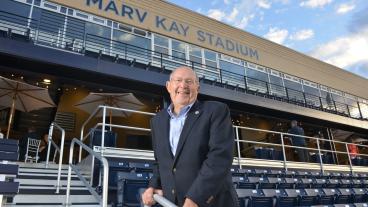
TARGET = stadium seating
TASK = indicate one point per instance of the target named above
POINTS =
(257, 186)
(8, 169)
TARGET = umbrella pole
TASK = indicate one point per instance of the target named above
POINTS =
(11, 117)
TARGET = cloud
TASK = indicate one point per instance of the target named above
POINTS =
(244, 21)
(227, 2)
(233, 15)
(346, 51)
(216, 14)
(276, 35)
(302, 35)
(345, 8)
(314, 3)
(264, 4)
(359, 20)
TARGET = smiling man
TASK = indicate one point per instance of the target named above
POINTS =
(193, 147)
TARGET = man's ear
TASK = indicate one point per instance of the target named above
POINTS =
(168, 86)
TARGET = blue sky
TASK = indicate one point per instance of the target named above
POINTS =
(330, 30)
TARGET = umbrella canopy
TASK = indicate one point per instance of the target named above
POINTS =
(23, 97)
(119, 100)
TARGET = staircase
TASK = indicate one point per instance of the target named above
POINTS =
(37, 187)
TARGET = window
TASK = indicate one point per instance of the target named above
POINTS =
(161, 46)
(195, 55)
(178, 50)
(210, 58)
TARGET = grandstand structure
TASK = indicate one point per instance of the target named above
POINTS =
(104, 157)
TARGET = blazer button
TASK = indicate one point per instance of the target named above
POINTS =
(174, 170)
(173, 191)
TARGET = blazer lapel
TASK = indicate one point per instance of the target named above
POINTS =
(165, 120)
(193, 115)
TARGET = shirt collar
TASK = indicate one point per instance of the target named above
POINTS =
(183, 111)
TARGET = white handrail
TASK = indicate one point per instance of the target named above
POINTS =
(162, 201)
(61, 151)
(105, 164)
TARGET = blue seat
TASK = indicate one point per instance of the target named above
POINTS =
(129, 185)
(288, 183)
(344, 195)
(254, 198)
(96, 138)
(360, 195)
(329, 196)
(141, 167)
(263, 153)
(9, 188)
(312, 197)
(9, 170)
(282, 199)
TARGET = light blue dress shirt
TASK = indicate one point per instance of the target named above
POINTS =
(176, 125)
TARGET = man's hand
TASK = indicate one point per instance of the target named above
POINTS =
(189, 203)
(147, 196)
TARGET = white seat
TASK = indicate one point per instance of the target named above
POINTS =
(33, 146)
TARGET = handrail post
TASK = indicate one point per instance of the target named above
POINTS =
(320, 157)
(103, 129)
(283, 149)
(61, 154)
(51, 129)
(347, 150)
(238, 145)
(67, 202)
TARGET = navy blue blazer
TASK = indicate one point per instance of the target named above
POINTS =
(200, 170)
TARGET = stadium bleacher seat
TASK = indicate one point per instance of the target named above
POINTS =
(129, 185)
(254, 198)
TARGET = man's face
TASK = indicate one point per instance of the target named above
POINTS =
(182, 87)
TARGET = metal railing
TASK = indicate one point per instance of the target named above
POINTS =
(103, 125)
(57, 149)
(284, 146)
(105, 164)
(162, 201)
(70, 37)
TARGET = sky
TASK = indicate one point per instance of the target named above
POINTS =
(333, 31)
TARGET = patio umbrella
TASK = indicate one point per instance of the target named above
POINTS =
(23, 97)
(119, 100)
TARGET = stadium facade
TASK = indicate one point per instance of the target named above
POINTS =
(131, 46)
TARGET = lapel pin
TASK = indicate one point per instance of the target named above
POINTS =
(196, 112)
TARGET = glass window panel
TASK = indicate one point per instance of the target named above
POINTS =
(101, 40)
(63, 10)
(255, 74)
(210, 55)
(211, 64)
(233, 68)
(293, 85)
(132, 39)
(311, 90)
(74, 34)
(195, 51)
(276, 80)
(51, 27)
(162, 41)
(18, 17)
(196, 59)
(178, 46)
(276, 86)
(178, 56)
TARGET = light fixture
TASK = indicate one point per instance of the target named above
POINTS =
(46, 81)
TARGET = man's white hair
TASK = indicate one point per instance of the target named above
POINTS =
(186, 67)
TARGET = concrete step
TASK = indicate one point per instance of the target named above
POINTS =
(51, 200)
(46, 182)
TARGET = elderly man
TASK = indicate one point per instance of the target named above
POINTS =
(193, 147)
